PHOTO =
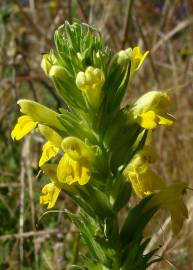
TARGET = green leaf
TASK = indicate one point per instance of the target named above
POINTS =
(121, 192)
(116, 83)
(134, 257)
(92, 265)
(75, 126)
(98, 200)
(94, 248)
(69, 92)
(137, 219)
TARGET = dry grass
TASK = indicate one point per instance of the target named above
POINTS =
(163, 27)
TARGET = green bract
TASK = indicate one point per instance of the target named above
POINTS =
(97, 152)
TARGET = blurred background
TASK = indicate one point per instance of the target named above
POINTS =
(29, 240)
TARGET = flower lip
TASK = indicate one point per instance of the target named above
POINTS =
(24, 125)
(50, 193)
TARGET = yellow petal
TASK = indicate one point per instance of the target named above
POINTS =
(70, 171)
(136, 185)
(178, 214)
(139, 57)
(24, 125)
(84, 175)
(166, 120)
(148, 120)
(49, 150)
(50, 194)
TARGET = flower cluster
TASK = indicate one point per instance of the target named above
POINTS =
(96, 151)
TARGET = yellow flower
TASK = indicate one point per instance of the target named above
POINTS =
(70, 171)
(40, 113)
(91, 82)
(150, 120)
(34, 113)
(51, 190)
(135, 56)
(144, 180)
(50, 194)
(149, 111)
(25, 124)
(75, 165)
(49, 150)
(170, 199)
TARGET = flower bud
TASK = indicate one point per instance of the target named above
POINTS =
(57, 72)
(123, 57)
(91, 82)
(45, 64)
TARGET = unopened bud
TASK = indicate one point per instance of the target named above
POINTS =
(57, 72)
(91, 82)
(45, 64)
